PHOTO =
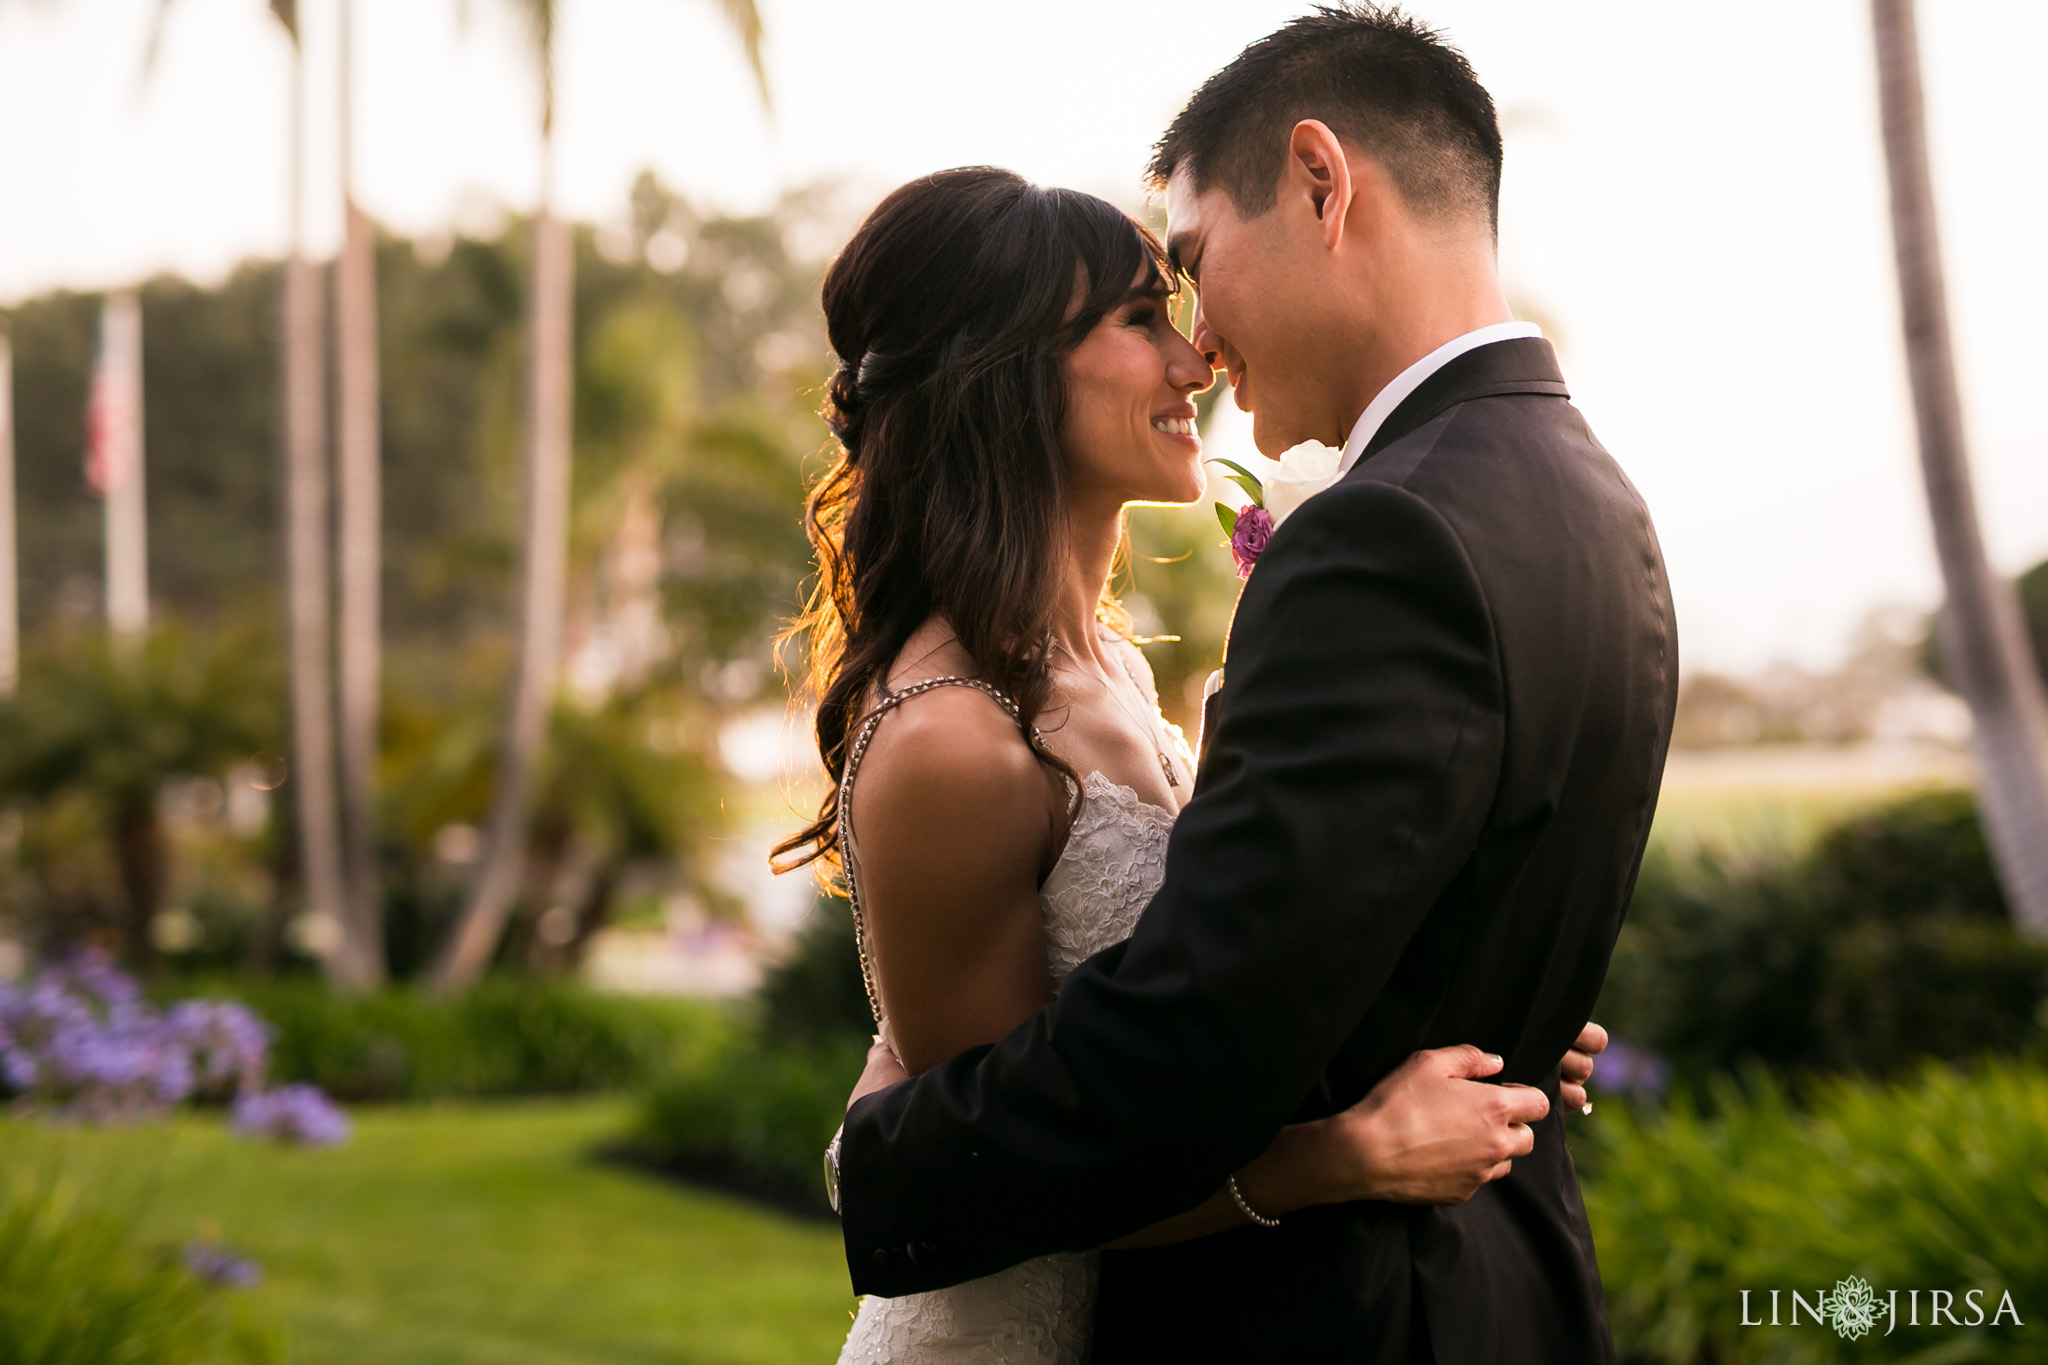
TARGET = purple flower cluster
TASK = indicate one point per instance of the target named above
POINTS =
(292, 1113)
(80, 1042)
(1628, 1069)
(227, 1044)
(215, 1264)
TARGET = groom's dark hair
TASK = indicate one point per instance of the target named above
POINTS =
(1381, 80)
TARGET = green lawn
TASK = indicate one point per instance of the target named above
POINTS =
(470, 1233)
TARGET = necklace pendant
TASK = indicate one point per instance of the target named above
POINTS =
(1166, 766)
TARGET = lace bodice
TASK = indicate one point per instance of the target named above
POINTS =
(1114, 860)
(1039, 1312)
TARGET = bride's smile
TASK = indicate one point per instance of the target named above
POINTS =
(1128, 432)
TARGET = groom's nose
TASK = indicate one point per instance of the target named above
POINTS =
(1205, 339)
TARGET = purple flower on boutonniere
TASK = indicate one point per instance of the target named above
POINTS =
(1305, 470)
(1248, 536)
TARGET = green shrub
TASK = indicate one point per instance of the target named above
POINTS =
(507, 1036)
(756, 1114)
(816, 993)
(1936, 1183)
(756, 1105)
(1885, 943)
(76, 1290)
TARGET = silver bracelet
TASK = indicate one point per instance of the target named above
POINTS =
(1237, 1198)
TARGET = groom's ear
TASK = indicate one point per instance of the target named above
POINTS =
(1318, 174)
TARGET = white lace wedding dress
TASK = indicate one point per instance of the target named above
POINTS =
(1040, 1312)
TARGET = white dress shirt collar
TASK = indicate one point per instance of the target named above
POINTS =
(1410, 379)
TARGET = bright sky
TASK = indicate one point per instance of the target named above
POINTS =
(1694, 203)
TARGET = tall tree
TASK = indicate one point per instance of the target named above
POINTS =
(358, 450)
(1984, 642)
(10, 594)
(308, 627)
(544, 531)
(311, 784)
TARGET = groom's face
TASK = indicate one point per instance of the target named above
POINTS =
(1256, 311)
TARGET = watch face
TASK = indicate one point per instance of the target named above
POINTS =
(832, 1170)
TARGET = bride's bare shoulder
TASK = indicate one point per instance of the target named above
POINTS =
(951, 754)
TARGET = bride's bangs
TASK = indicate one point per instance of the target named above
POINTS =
(1111, 248)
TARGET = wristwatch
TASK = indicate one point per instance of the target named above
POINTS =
(832, 1169)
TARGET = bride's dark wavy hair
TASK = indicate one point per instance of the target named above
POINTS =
(951, 311)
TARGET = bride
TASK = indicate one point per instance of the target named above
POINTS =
(1010, 381)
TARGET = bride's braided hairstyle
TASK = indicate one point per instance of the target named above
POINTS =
(951, 311)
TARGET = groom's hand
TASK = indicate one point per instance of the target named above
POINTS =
(1433, 1130)
(1577, 1067)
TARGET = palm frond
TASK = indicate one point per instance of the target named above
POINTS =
(540, 26)
(154, 47)
(745, 17)
(287, 12)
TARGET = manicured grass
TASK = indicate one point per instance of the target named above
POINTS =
(473, 1233)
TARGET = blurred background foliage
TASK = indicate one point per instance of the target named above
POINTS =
(1884, 943)
(700, 350)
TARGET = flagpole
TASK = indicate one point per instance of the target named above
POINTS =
(10, 588)
(122, 466)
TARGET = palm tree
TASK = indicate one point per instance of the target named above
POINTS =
(10, 617)
(357, 446)
(306, 549)
(544, 531)
(337, 857)
(1984, 642)
(306, 535)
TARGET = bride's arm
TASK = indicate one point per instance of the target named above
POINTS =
(953, 815)
(1431, 1132)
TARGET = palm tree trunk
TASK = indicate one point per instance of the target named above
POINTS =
(543, 575)
(10, 608)
(139, 858)
(1981, 625)
(360, 488)
(305, 547)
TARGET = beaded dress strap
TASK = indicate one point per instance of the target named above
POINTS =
(857, 751)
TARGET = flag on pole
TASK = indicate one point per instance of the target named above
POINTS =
(113, 408)
(113, 461)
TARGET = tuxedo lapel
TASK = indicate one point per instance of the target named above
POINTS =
(1525, 365)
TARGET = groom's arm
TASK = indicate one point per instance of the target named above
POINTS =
(1357, 756)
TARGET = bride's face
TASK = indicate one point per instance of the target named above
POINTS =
(1129, 431)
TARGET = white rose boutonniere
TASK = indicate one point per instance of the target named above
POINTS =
(1305, 470)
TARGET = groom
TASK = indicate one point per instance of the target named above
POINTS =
(1426, 790)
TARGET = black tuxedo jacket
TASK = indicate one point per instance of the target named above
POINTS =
(1428, 781)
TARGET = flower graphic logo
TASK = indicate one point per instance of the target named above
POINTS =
(1852, 1308)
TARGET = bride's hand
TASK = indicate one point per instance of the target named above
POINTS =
(1431, 1132)
(881, 1072)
